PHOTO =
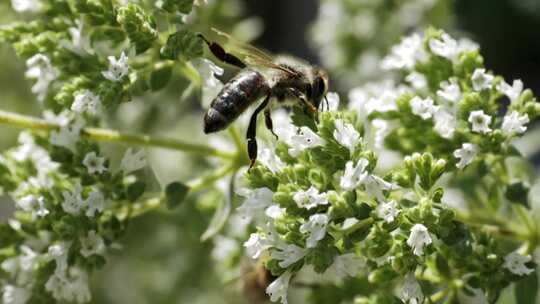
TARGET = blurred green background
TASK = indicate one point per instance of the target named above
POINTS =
(162, 259)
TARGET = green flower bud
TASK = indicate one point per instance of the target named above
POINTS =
(139, 26)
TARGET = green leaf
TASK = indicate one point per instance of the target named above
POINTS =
(181, 6)
(175, 193)
(526, 290)
(135, 190)
(160, 77)
(517, 193)
(183, 43)
(139, 26)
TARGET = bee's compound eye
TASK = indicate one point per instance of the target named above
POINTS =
(319, 87)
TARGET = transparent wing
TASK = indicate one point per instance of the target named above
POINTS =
(251, 55)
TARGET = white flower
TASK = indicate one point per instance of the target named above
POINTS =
(375, 186)
(333, 102)
(224, 248)
(67, 136)
(406, 54)
(80, 43)
(445, 123)
(132, 161)
(515, 263)
(310, 199)
(446, 47)
(256, 201)
(210, 84)
(94, 163)
(466, 155)
(480, 121)
(481, 80)
(23, 6)
(70, 286)
(92, 244)
(29, 258)
(269, 159)
(274, 211)
(287, 254)
(316, 228)
(375, 96)
(417, 80)
(346, 135)
(423, 107)
(388, 211)
(354, 175)
(86, 101)
(513, 123)
(41, 69)
(419, 238)
(95, 202)
(450, 91)
(118, 68)
(305, 139)
(277, 290)
(344, 265)
(73, 202)
(381, 129)
(411, 292)
(33, 204)
(59, 252)
(256, 244)
(467, 45)
(513, 92)
(15, 295)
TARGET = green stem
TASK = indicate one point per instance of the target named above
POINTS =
(108, 135)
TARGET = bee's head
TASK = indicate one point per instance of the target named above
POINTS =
(319, 86)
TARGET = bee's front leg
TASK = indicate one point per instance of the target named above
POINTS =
(311, 108)
(251, 134)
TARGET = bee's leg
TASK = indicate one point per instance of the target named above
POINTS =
(311, 108)
(221, 54)
(251, 134)
(268, 122)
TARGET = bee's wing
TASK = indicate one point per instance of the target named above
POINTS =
(252, 55)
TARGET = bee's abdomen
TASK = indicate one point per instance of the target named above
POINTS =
(235, 97)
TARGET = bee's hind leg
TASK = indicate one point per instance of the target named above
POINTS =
(268, 122)
(221, 54)
(251, 134)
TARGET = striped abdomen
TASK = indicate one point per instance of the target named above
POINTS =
(235, 97)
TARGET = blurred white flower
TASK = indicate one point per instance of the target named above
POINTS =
(67, 136)
(118, 68)
(450, 91)
(419, 238)
(423, 107)
(346, 135)
(446, 47)
(445, 123)
(40, 68)
(375, 186)
(92, 244)
(210, 84)
(513, 92)
(388, 211)
(481, 80)
(310, 199)
(73, 202)
(406, 54)
(333, 102)
(354, 175)
(86, 101)
(132, 161)
(305, 139)
(256, 244)
(480, 121)
(417, 80)
(344, 265)
(316, 228)
(514, 123)
(466, 155)
(94, 163)
(268, 157)
(287, 254)
(274, 211)
(277, 290)
(70, 286)
(12, 294)
(95, 202)
(256, 201)
(34, 205)
(24, 6)
(411, 291)
(515, 263)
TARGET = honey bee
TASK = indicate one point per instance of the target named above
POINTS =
(262, 77)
